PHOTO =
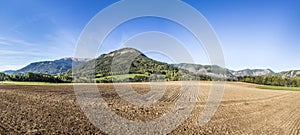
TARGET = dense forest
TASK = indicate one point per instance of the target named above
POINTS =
(167, 75)
(273, 80)
(36, 77)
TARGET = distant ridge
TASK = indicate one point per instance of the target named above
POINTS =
(291, 73)
(9, 72)
(253, 72)
(207, 70)
(51, 67)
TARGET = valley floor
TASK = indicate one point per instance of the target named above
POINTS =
(244, 109)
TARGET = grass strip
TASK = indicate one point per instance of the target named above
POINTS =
(33, 83)
(279, 88)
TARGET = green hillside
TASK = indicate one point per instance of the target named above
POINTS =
(109, 67)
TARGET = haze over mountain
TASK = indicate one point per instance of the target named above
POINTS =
(252, 72)
(9, 72)
(140, 63)
(291, 73)
(206, 70)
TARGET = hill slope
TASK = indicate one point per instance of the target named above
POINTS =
(9, 72)
(253, 72)
(51, 67)
(291, 73)
(130, 61)
(208, 70)
(229, 74)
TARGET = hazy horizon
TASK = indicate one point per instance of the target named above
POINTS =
(254, 34)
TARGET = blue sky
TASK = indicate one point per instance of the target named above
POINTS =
(253, 33)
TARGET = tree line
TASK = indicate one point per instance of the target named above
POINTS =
(165, 75)
(272, 80)
(36, 77)
(147, 77)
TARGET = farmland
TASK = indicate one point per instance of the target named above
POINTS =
(244, 109)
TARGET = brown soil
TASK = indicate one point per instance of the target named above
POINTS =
(30, 109)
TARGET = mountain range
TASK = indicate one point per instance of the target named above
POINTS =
(49, 67)
(291, 73)
(140, 64)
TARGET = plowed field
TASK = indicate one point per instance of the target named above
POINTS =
(244, 109)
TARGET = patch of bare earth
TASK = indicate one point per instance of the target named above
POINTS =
(244, 110)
